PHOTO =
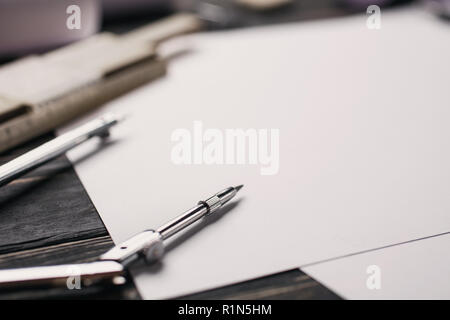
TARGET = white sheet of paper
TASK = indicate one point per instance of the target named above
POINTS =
(364, 158)
(415, 270)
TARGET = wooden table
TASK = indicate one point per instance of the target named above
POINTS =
(46, 217)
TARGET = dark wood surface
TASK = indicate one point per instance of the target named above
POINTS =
(46, 217)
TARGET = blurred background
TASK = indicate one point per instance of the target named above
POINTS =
(33, 26)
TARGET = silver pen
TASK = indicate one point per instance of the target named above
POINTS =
(56, 147)
(111, 266)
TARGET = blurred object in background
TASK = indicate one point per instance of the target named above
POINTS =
(439, 7)
(220, 14)
(362, 4)
(121, 8)
(262, 4)
(35, 25)
(32, 26)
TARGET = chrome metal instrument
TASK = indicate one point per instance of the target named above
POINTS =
(111, 266)
(56, 147)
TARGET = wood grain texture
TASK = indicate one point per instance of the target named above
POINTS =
(47, 206)
(46, 218)
(289, 285)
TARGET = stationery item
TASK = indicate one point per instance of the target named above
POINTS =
(363, 147)
(39, 93)
(412, 270)
(148, 244)
(56, 147)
